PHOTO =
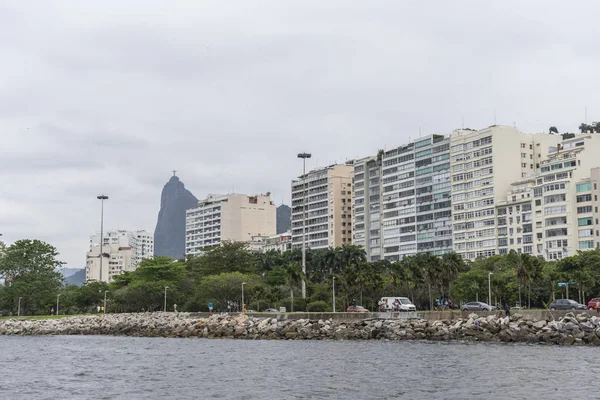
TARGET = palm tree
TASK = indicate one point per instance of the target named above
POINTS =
(293, 277)
(451, 265)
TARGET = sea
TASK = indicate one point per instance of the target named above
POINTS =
(106, 367)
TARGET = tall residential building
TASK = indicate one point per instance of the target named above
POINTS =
(123, 251)
(554, 213)
(235, 217)
(328, 195)
(402, 200)
(484, 165)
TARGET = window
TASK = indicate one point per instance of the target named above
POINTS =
(584, 187)
(584, 210)
(584, 221)
(584, 197)
(586, 244)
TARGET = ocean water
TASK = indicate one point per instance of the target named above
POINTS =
(103, 367)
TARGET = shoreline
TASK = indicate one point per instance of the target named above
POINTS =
(572, 329)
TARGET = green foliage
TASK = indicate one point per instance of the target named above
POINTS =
(30, 271)
(318, 306)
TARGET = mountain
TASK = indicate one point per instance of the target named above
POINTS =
(169, 235)
(284, 218)
(70, 271)
(77, 278)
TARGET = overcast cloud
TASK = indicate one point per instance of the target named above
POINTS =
(107, 97)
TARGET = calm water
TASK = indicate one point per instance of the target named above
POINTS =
(93, 367)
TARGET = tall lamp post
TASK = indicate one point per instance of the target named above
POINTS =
(165, 308)
(490, 287)
(304, 156)
(334, 294)
(106, 291)
(19, 308)
(243, 283)
(101, 198)
(57, 303)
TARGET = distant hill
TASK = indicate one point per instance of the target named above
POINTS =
(284, 218)
(70, 271)
(77, 278)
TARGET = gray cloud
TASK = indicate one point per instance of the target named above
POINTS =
(109, 97)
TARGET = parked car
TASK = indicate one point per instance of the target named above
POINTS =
(357, 309)
(271, 310)
(566, 304)
(405, 303)
(592, 303)
(477, 306)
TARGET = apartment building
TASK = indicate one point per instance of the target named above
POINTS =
(484, 165)
(235, 217)
(563, 199)
(402, 200)
(279, 243)
(123, 251)
(117, 259)
(325, 195)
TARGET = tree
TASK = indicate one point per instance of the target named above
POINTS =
(218, 289)
(29, 268)
(553, 130)
(228, 257)
(293, 277)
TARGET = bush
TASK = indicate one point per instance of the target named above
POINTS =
(318, 306)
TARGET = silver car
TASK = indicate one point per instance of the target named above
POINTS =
(477, 306)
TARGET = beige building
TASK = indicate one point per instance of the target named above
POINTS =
(554, 213)
(117, 259)
(484, 165)
(236, 217)
(279, 242)
(328, 196)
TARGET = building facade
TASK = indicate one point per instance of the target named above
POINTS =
(484, 166)
(325, 195)
(235, 217)
(123, 251)
(280, 242)
(555, 213)
(402, 200)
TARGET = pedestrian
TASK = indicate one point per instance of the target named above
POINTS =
(175, 307)
(507, 308)
(52, 311)
(598, 307)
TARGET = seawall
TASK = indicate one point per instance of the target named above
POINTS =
(571, 329)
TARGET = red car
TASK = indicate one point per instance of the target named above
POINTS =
(592, 303)
(356, 309)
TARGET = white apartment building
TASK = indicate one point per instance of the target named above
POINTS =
(328, 195)
(235, 217)
(484, 165)
(117, 259)
(402, 200)
(278, 242)
(124, 250)
(555, 213)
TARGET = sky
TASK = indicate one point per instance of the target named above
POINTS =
(109, 97)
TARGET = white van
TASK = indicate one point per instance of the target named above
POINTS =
(405, 304)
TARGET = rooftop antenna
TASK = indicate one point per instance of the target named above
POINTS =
(463, 123)
(419, 131)
(585, 115)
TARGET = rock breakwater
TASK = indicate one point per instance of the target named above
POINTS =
(580, 329)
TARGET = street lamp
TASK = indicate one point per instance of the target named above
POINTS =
(334, 294)
(101, 198)
(243, 283)
(490, 288)
(166, 287)
(19, 308)
(57, 303)
(304, 156)
(106, 291)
